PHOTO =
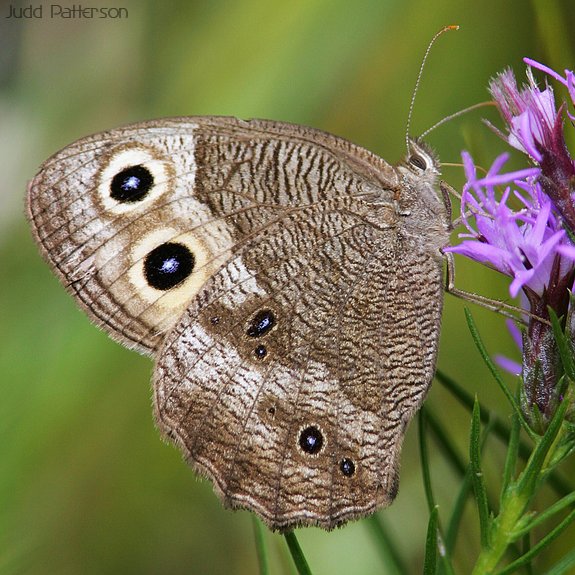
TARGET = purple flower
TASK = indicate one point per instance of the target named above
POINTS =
(529, 242)
(568, 81)
(535, 126)
(524, 230)
(530, 113)
(520, 243)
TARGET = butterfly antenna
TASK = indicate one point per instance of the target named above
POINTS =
(457, 114)
(442, 31)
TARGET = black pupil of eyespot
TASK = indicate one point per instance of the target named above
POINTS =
(131, 184)
(168, 265)
(262, 322)
(347, 467)
(418, 162)
(261, 351)
(311, 440)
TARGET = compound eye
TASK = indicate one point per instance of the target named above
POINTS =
(417, 161)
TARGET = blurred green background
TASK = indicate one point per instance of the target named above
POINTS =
(86, 484)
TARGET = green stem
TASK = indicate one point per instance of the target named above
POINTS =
(261, 549)
(423, 454)
(544, 542)
(297, 554)
(477, 477)
(502, 532)
(507, 527)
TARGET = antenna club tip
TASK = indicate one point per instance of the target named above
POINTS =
(452, 27)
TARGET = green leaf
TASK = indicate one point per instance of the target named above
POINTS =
(477, 477)
(297, 554)
(423, 454)
(430, 563)
(512, 452)
(542, 544)
(495, 372)
(261, 548)
(457, 512)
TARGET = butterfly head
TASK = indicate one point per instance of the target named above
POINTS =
(421, 161)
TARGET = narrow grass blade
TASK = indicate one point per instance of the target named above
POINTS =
(528, 568)
(297, 554)
(512, 453)
(542, 544)
(457, 512)
(430, 563)
(563, 346)
(477, 477)
(423, 453)
(261, 548)
(495, 372)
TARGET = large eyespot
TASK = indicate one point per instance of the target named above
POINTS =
(418, 161)
(168, 265)
(167, 269)
(133, 175)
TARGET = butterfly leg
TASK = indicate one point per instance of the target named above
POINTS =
(498, 306)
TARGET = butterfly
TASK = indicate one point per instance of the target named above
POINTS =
(286, 282)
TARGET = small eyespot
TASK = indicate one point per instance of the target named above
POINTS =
(347, 467)
(260, 351)
(168, 265)
(418, 162)
(132, 184)
(261, 323)
(215, 320)
(311, 440)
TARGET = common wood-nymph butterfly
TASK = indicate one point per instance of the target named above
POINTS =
(287, 283)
